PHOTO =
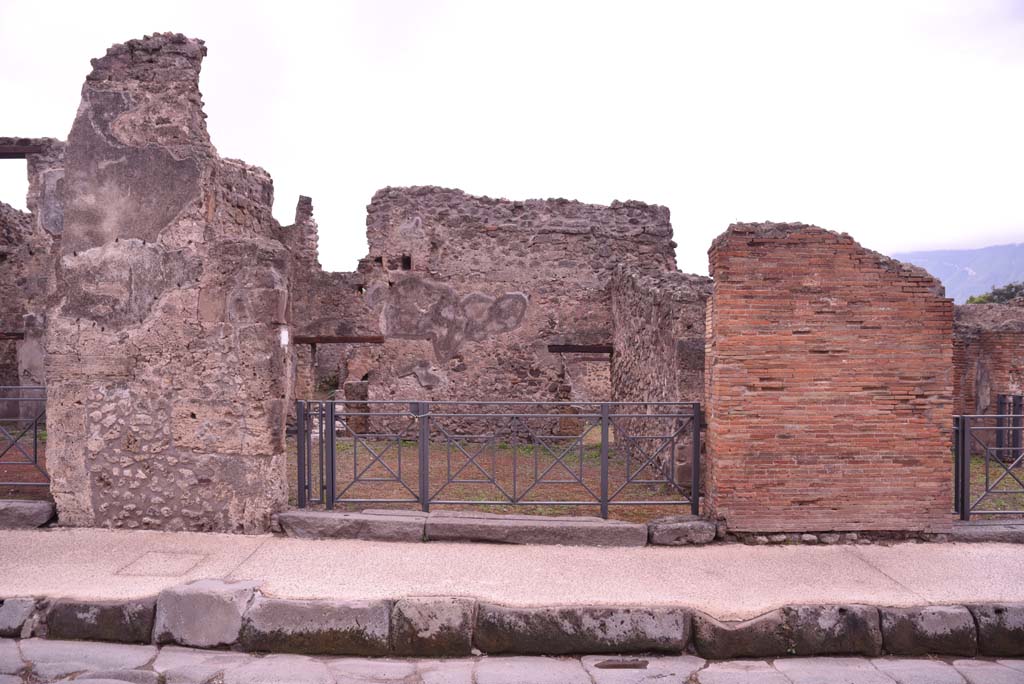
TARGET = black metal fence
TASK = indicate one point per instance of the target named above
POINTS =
(23, 437)
(988, 463)
(498, 453)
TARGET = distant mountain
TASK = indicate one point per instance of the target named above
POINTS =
(967, 272)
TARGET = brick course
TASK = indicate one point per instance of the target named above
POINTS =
(829, 374)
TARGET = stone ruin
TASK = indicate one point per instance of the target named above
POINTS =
(174, 321)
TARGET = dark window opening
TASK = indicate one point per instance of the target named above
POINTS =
(580, 348)
(379, 260)
(406, 263)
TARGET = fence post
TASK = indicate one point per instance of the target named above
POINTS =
(1000, 425)
(423, 411)
(1018, 427)
(330, 440)
(695, 462)
(605, 420)
(965, 468)
(956, 464)
(300, 442)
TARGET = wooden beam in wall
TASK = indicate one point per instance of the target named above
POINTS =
(12, 335)
(339, 339)
(581, 349)
(19, 151)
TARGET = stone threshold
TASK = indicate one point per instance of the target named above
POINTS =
(236, 616)
(471, 526)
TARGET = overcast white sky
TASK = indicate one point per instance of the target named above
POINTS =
(901, 123)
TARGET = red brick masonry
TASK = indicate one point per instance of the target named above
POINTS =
(829, 372)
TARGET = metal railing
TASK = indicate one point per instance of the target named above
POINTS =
(498, 453)
(988, 463)
(23, 436)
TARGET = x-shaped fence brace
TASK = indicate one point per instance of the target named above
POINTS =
(1007, 471)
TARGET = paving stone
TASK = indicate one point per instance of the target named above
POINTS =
(985, 531)
(580, 629)
(922, 630)
(13, 614)
(918, 671)
(338, 525)
(280, 669)
(131, 676)
(125, 621)
(446, 671)
(988, 672)
(1012, 664)
(358, 670)
(533, 529)
(634, 670)
(10, 659)
(53, 658)
(681, 530)
(15, 514)
(12, 679)
(833, 630)
(181, 665)
(741, 672)
(831, 670)
(204, 613)
(317, 627)
(765, 636)
(432, 627)
(1000, 629)
(530, 670)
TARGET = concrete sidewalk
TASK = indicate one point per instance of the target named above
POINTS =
(726, 581)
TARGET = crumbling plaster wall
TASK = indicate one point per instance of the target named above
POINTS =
(829, 370)
(470, 291)
(168, 369)
(988, 355)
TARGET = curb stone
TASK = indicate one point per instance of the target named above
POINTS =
(359, 628)
(432, 627)
(1000, 629)
(14, 613)
(204, 613)
(834, 630)
(122, 621)
(923, 630)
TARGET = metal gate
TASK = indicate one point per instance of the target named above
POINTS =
(498, 453)
(22, 437)
(988, 463)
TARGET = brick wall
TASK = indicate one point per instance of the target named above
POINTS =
(988, 355)
(829, 369)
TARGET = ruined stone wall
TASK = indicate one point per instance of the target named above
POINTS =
(988, 355)
(471, 291)
(27, 265)
(830, 376)
(168, 368)
(659, 351)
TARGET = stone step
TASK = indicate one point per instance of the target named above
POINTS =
(460, 526)
(396, 526)
(18, 514)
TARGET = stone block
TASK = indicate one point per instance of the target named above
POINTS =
(1000, 629)
(205, 613)
(987, 672)
(10, 658)
(332, 525)
(681, 530)
(432, 627)
(924, 630)
(833, 630)
(741, 672)
(195, 666)
(125, 621)
(580, 629)
(359, 670)
(446, 671)
(16, 514)
(533, 670)
(120, 676)
(914, 670)
(14, 612)
(817, 670)
(765, 636)
(317, 627)
(52, 658)
(277, 669)
(653, 670)
(533, 529)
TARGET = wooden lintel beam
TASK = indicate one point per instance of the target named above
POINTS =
(581, 349)
(12, 335)
(339, 339)
(19, 151)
